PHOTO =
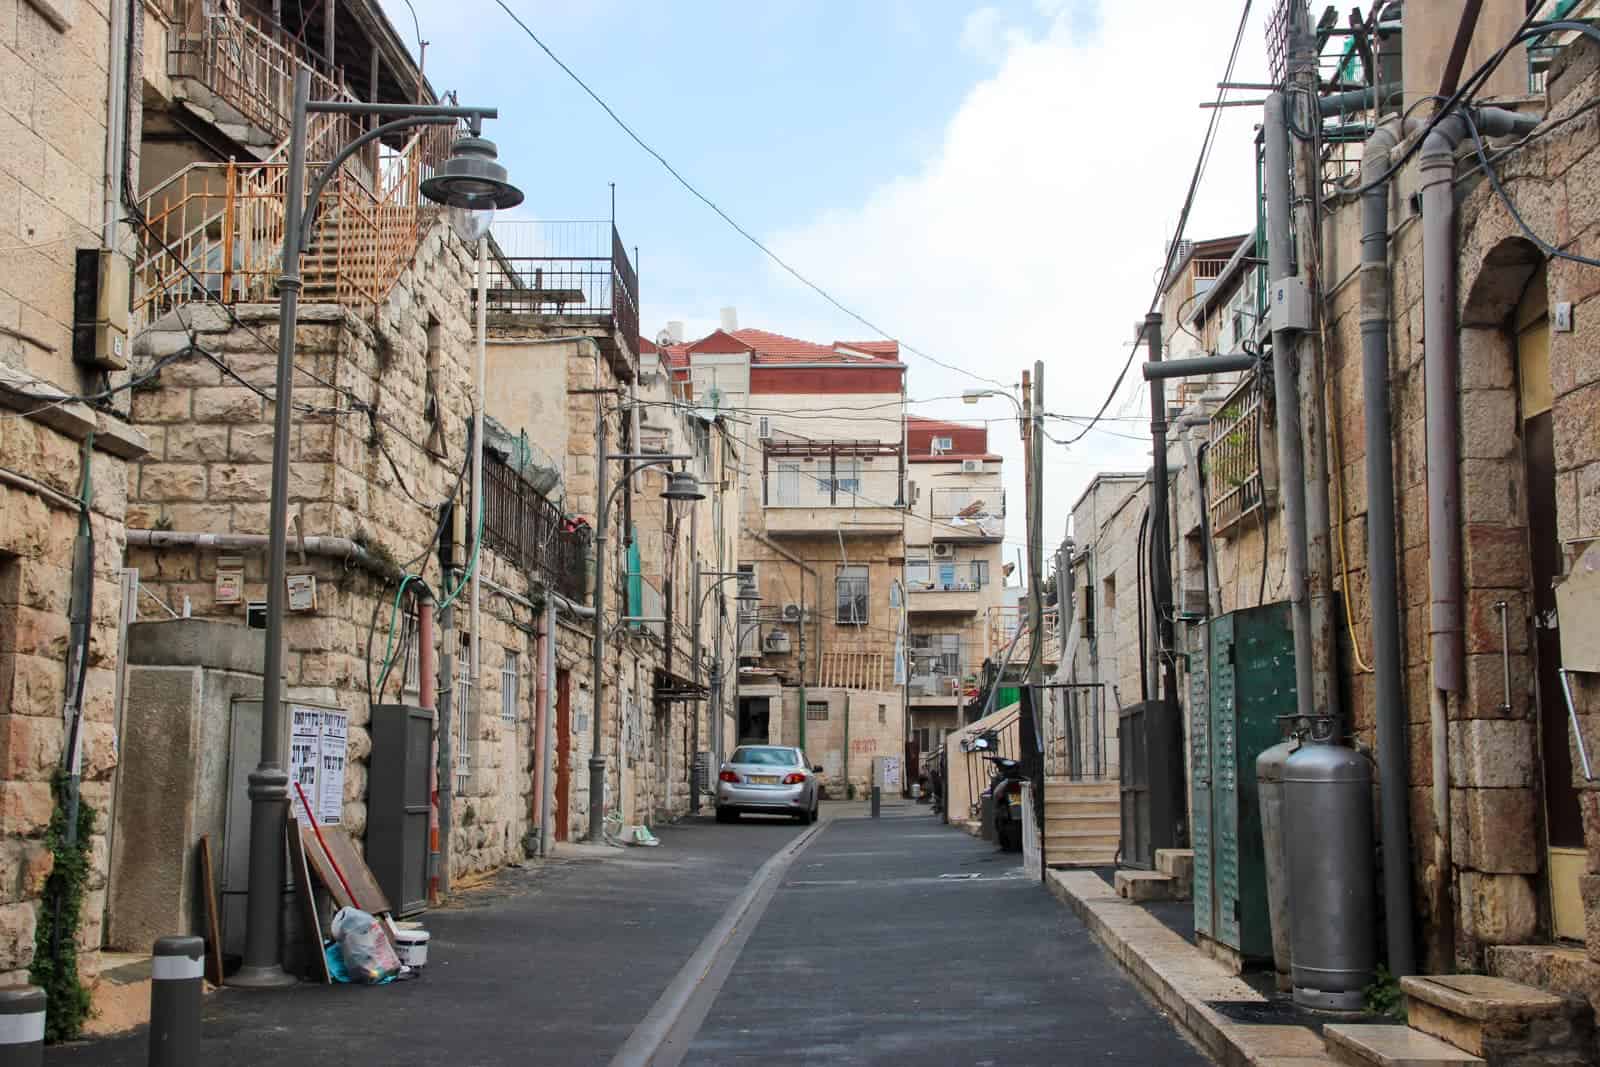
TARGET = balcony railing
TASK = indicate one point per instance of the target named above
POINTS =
(566, 269)
(831, 474)
(528, 531)
(1233, 457)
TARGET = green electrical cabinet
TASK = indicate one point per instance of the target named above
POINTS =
(1250, 683)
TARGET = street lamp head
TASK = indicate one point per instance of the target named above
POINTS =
(681, 485)
(972, 396)
(473, 185)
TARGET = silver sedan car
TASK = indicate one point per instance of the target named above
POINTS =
(767, 780)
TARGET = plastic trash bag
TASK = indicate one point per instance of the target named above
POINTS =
(367, 955)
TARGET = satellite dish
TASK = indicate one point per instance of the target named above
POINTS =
(664, 338)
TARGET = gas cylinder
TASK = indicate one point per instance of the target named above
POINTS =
(1328, 843)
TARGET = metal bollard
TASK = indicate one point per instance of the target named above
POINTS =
(22, 1026)
(877, 799)
(175, 986)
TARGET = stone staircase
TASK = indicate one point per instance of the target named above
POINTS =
(1464, 1019)
(1082, 822)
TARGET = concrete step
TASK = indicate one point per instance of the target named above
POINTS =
(1499, 1019)
(1145, 885)
(1391, 1046)
(1086, 790)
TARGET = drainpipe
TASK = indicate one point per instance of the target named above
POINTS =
(1387, 651)
(1291, 459)
(533, 841)
(1441, 356)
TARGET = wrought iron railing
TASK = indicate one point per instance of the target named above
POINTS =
(214, 231)
(565, 268)
(253, 73)
(528, 531)
(1233, 456)
(831, 474)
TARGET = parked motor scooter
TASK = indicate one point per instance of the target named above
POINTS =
(1006, 790)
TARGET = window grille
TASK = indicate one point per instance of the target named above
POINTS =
(465, 715)
(1233, 465)
(816, 711)
(509, 678)
(851, 589)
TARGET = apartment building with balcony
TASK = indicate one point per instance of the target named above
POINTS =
(954, 581)
(820, 523)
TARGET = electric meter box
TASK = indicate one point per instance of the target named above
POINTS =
(1289, 304)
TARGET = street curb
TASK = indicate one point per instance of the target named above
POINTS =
(1182, 979)
(656, 1029)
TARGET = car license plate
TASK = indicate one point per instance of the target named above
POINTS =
(764, 779)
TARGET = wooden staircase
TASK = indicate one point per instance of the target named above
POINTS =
(1082, 822)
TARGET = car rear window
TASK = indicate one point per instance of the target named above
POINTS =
(766, 757)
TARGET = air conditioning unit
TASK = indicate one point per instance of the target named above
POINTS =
(764, 428)
(944, 551)
(777, 641)
(972, 466)
(791, 613)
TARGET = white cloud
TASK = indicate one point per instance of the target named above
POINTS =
(1034, 230)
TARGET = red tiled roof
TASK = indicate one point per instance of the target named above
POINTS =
(966, 441)
(776, 349)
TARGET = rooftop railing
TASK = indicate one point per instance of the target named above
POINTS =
(564, 268)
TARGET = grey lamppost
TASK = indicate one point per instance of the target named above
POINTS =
(681, 485)
(469, 182)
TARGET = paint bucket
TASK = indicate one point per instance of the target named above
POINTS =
(412, 945)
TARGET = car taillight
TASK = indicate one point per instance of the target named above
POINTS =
(727, 776)
(794, 779)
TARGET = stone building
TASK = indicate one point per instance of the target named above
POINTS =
(954, 534)
(65, 439)
(1497, 479)
(821, 532)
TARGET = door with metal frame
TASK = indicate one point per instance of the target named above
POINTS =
(1563, 819)
(563, 753)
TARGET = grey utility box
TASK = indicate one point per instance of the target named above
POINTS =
(398, 804)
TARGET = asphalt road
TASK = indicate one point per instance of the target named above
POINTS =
(903, 941)
(891, 941)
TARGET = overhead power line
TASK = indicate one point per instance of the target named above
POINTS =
(746, 234)
(1183, 220)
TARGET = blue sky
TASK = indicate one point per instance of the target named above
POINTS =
(992, 183)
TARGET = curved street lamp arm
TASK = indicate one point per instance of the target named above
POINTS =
(326, 174)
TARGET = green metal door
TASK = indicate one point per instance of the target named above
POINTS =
(1264, 691)
(1251, 684)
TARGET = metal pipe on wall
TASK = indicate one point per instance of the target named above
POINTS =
(1382, 570)
(1441, 386)
(1291, 461)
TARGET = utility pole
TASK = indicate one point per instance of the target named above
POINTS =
(1309, 356)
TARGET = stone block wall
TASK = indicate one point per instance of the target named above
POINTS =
(1489, 889)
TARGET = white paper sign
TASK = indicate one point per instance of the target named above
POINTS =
(318, 740)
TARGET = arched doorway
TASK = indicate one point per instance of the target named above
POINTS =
(1565, 857)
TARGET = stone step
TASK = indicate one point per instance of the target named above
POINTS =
(1075, 820)
(1083, 838)
(1062, 856)
(1073, 806)
(1145, 885)
(1498, 1019)
(1361, 1045)
(1178, 862)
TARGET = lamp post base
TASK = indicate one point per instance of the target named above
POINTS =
(270, 976)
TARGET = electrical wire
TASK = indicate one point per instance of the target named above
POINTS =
(1500, 190)
(740, 230)
(1183, 221)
